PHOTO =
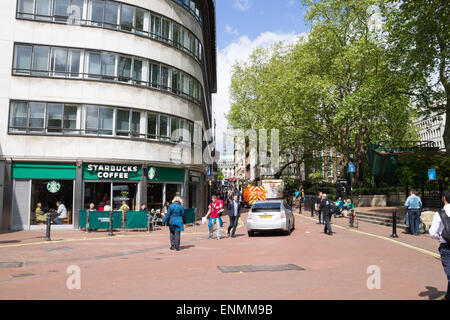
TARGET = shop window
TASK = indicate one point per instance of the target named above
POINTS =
(125, 192)
(154, 196)
(22, 59)
(126, 18)
(171, 191)
(47, 193)
(98, 193)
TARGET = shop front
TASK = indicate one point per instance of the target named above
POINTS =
(194, 185)
(41, 185)
(163, 184)
(111, 185)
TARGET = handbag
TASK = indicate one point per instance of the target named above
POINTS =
(422, 227)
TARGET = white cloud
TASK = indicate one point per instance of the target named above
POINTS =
(242, 5)
(238, 50)
(230, 30)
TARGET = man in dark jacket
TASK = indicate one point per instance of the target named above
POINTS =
(325, 207)
(234, 211)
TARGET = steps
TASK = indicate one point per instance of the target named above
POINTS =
(380, 219)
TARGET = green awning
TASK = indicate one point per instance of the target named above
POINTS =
(32, 170)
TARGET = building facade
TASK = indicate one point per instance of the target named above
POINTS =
(226, 166)
(103, 101)
(431, 129)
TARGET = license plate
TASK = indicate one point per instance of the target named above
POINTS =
(266, 217)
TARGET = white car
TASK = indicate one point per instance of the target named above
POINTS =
(270, 215)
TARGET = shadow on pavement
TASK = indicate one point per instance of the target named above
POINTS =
(10, 241)
(187, 247)
(432, 293)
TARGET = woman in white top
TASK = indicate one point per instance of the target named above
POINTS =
(436, 229)
(107, 206)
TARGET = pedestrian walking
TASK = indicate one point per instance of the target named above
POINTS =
(440, 229)
(234, 212)
(317, 207)
(214, 212)
(325, 207)
(175, 216)
(413, 205)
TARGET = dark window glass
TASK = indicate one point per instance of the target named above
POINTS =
(140, 17)
(61, 7)
(91, 120)
(70, 118)
(94, 64)
(152, 124)
(164, 127)
(137, 71)
(54, 118)
(126, 18)
(18, 116)
(135, 124)
(37, 116)
(73, 64)
(123, 123)
(155, 77)
(111, 15)
(106, 116)
(165, 78)
(166, 30)
(59, 61)
(108, 66)
(124, 71)
(156, 27)
(22, 59)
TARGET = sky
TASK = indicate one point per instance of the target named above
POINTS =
(241, 27)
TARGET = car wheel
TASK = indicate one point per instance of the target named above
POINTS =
(251, 233)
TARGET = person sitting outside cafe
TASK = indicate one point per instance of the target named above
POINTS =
(124, 207)
(107, 206)
(92, 207)
(40, 214)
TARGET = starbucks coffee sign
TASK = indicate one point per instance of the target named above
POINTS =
(53, 186)
(151, 173)
(111, 172)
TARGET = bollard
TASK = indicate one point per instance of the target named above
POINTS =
(312, 208)
(47, 232)
(110, 223)
(148, 222)
(87, 222)
(352, 218)
(394, 225)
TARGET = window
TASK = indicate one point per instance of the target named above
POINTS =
(40, 60)
(106, 121)
(176, 81)
(165, 78)
(126, 18)
(123, 123)
(59, 62)
(141, 18)
(152, 126)
(156, 27)
(18, 120)
(135, 124)
(76, 10)
(185, 84)
(94, 64)
(91, 125)
(137, 71)
(176, 35)
(61, 7)
(164, 127)
(175, 135)
(166, 30)
(155, 74)
(111, 15)
(43, 9)
(37, 117)
(108, 66)
(25, 8)
(74, 59)
(22, 59)
(124, 71)
(70, 119)
(54, 118)
(96, 12)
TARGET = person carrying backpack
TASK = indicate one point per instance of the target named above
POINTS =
(440, 229)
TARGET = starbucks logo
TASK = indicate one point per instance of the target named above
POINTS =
(53, 186)
(152, 173)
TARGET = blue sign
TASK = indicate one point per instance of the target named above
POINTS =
(351, 167)
(432, 174)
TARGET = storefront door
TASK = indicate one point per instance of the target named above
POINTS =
(155, 196)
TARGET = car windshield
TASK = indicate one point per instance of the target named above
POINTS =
(271, 207)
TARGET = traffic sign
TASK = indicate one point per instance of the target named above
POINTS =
(432, 174)
(351, 167)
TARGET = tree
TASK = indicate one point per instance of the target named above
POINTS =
(418, 35)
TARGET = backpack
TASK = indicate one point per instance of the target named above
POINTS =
(446, 221)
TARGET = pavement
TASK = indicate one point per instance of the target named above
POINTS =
(140, 266)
